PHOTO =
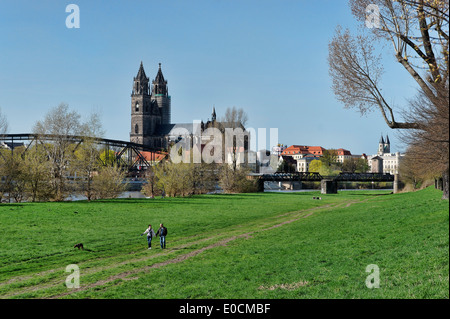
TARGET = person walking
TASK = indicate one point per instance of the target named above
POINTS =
(162, 232)
(150, 234)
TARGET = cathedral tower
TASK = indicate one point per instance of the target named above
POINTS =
(161, 97)
(145, 116)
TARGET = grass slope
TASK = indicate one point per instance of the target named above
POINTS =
(230, 246)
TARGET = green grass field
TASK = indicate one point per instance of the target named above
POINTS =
(265, 245)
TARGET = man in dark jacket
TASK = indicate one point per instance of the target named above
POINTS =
(162, 232)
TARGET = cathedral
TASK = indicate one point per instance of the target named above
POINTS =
(150, 110)
(151, 115)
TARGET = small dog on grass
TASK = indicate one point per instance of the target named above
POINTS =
(79, 246)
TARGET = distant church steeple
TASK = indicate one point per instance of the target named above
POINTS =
(387, 145)
(384, 146)
(213, 116)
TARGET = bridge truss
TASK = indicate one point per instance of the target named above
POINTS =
(126, 154)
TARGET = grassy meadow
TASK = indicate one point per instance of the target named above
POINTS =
(261, 245)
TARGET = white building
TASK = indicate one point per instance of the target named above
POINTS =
(343, 155)
(385, 159)
(303, 161)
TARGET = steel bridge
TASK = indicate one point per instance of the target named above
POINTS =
(126, 153)
(316, 177)
(129, 155)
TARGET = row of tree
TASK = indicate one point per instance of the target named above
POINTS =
(29, 175)
(53, 170)
(185, 179)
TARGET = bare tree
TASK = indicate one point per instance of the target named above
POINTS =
(175, 179)
(232, 125)
(236, 181)
(356, 73)
(87, 156)
(150, 188)
(415, 169)
(37, 172)
(11, 172)
(3, 123)
(109, 182)
(429, 146)
(64, 156)
(235, 117)
(60, 123)
(418, 33)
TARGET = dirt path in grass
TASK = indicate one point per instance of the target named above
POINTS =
(128, 275)
(267, 224)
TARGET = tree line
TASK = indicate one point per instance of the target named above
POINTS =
(185, 179)
(54, 170)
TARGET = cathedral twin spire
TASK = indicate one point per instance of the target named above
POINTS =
(141, 82)
(384, 146)
(382, 140)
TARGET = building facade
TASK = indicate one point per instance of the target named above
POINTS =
(304, 155)
(150, 109)
(385, 161)
(151, 124)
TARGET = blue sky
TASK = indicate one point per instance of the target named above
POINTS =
(268, 57)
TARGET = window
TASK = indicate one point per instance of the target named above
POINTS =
(137, 107)
(136, 129)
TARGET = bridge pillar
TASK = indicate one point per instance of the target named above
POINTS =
(260, 185)
(395, 183)
(328, 186)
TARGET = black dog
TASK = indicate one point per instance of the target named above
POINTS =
(80, 245)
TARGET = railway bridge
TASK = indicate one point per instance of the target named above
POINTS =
(124, 153)
(328, 183)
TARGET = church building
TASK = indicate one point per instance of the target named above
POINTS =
(150, 109)
(151, 116)
(385, 161)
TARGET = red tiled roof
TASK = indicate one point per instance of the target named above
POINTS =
(303, 149)
(341, 151)
(152, 156)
